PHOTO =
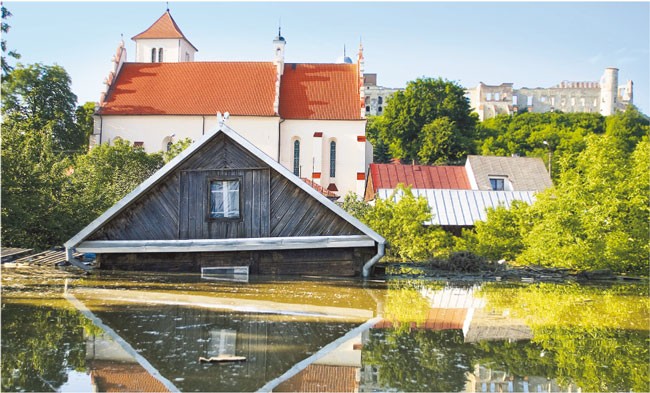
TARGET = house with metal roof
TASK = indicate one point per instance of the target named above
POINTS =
(309, 117)
(459, 196)
(224, 203)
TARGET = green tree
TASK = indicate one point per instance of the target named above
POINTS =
(104, 176)
(628, 127)
(380, 153)
(6, 68)
(597, 216)
(176, 148)
(501, 236)
(85, 121)
(401, 223)
(39, 97)
(428, 113)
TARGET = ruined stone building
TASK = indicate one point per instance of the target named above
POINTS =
(376, 96)
(604, 97)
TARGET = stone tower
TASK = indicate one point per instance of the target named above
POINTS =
(608, 91)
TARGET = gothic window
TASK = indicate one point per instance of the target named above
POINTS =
(224, 199)
(160, 55)
(169, 145)
(296, 157)
(379, 109)
(332, 159)
(380, 100)
(153, 55)
(367, 108)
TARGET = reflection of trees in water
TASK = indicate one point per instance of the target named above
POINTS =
(598, 336)
(592, 337)
(40, 344)
(421, 360)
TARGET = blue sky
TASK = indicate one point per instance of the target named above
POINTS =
(529, 44)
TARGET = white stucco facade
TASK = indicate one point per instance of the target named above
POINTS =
(155, 131)
(174, 50)
(315, 137)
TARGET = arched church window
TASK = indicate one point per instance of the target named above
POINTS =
(169, 145)
(332, 159)
(296, 157)
(160, 55)
(153, 55)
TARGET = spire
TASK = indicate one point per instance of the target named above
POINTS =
(279, 37)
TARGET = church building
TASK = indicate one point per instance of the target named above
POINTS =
(309, 117)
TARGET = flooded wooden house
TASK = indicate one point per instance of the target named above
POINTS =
(224, 203)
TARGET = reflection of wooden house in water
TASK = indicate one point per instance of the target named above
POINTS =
(112, 369)
(223, 202)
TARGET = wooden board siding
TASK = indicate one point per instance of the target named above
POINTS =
(328, 262)
(296, 213)
(154, 216)
(254, 205)
(222, 153)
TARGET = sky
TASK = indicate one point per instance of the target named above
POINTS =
(529, 44)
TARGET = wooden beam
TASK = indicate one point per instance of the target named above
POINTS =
(216, 245)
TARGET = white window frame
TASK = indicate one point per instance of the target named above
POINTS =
(229, 188)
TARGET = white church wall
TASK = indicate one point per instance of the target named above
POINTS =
(156, 130)
(170, 50)
(351, 157)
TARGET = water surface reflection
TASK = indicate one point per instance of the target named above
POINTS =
(425, 335)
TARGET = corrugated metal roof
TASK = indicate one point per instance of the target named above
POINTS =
(462, 207)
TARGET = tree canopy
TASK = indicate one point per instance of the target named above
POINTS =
(429, 122)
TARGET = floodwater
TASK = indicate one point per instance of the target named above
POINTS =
(147, 332)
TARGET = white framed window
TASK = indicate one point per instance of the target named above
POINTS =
(160, 55)
(224, 199)
(153, 55)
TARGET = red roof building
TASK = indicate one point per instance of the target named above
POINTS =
(164, 96)
(388, 176)
(192, 88)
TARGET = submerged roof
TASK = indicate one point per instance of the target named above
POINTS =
(320, 92)
(164, 27)
(193, 88)
(388, 176)
(524, 173)
(463, 207)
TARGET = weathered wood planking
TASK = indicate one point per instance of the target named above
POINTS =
(153, 216)
(177, 208)
(254, 205)
(325, 262)
(296, 213)
(222, 153)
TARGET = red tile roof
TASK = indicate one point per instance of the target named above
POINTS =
(193, 88)
(164, 27)
(322, 378)
(327, 193)
(388, 176)
(320, 92)
(113, 376)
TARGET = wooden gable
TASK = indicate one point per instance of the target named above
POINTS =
(176, 207)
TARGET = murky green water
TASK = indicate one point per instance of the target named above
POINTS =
(147, 333)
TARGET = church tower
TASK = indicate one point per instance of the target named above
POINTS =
(163, 42)
(278, 47)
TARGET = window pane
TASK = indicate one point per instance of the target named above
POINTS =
(296, 158)
(224, 199)
(333, 159)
